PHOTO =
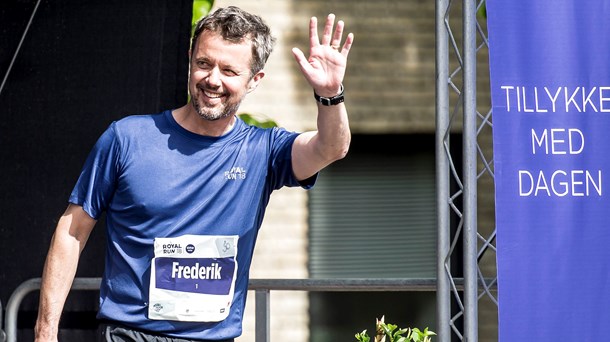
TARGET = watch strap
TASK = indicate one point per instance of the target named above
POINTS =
(330, 101)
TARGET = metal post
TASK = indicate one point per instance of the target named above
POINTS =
(12, 307)
(262, 287)
(262, 316)
(470, 172)
(443, 295)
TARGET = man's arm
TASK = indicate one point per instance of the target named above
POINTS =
(324, 70)
(69, 239)
(312, 151)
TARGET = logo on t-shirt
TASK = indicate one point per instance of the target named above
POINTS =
(236, 173)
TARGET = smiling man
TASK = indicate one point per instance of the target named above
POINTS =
(185, 190)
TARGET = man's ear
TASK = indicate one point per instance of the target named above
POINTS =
(255, 81)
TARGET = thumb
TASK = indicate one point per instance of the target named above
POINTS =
(299, 56)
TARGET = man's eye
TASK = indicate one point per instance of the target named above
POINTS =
(203, 64)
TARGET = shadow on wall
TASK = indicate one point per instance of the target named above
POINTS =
(82, 65)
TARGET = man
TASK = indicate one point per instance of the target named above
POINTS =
(185, 190)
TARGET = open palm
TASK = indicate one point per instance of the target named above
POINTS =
(325, 67)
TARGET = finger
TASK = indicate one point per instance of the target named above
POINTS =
(313, 32)
(299, 56)
(328, 29)
(347, 45)
(335, 43)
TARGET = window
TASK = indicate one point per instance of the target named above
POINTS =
(373, 215)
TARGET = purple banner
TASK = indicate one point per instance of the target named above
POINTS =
(197, 275)
(550, 87)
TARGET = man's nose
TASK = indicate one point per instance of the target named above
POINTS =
(214, 77)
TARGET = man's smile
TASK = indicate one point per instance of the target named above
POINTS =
(213, 95)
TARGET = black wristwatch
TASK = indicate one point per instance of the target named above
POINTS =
(330, 101)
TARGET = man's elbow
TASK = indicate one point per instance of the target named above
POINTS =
(342, 153)
(338, 152)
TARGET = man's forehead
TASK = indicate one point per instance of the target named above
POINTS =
(217, 37)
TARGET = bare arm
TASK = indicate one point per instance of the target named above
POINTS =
(71, 234)
(312, 151)
(324, 70)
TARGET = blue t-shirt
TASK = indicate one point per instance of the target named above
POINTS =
(155, 179)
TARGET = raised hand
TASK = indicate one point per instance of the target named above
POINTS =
(325, 67)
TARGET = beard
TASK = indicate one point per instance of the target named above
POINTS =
(220, 111)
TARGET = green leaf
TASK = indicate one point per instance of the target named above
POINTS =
(259, 121)
(389, 330)
(402, 331)
(363, 337)
(200, 9)
(429, 332)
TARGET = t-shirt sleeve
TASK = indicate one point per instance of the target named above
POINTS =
(281, 161)
(96, 183)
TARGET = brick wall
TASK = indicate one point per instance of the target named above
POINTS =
(390, 88)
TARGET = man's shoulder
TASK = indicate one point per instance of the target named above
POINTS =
(268, 132)
(138, 123)
(139, 119)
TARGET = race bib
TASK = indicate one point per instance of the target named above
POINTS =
(193, 278)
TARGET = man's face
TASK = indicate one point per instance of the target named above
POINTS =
(220, 75)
